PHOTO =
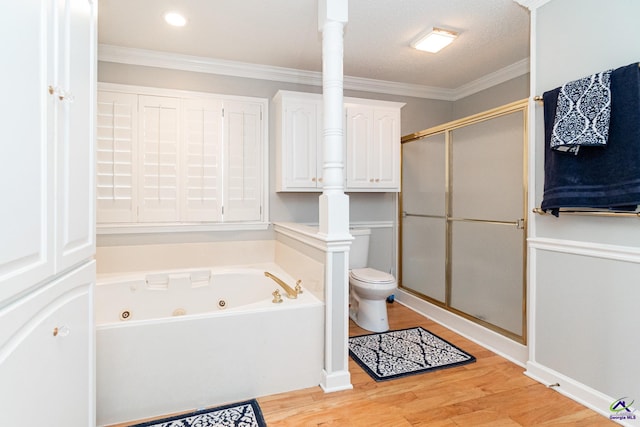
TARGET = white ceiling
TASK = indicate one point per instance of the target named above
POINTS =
(494, 35)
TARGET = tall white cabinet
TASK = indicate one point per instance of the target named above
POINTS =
(48, 225)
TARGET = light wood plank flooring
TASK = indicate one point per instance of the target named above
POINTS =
(490, 392)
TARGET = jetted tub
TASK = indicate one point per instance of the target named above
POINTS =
(181, 340)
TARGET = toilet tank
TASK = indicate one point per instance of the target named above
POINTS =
(359, 252)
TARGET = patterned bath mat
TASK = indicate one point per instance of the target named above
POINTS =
(243, 414)
(396, 354)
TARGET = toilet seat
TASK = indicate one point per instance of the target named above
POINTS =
(372, 276)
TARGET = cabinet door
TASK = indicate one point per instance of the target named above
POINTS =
(385, 149)
(158, 141)
(373, 148)
(202, 160)
(359, 127)
(47, 355)
(26, 158)
(75, 112)
(117, 132)
(302, 157)
(243, 161)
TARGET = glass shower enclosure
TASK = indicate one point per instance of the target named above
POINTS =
(462, 218)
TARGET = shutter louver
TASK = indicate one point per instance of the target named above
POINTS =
(159, 162)
(243, 161)
(116, 130)
(202, 160)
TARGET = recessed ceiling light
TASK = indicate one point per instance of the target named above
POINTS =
(176, 19)
(434, 40)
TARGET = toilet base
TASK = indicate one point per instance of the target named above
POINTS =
(369, 314)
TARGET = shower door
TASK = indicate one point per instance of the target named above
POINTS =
(463, 205)
(423, 222)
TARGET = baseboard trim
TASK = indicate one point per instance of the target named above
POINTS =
(574, 390)
(501, 345)
(335, 381)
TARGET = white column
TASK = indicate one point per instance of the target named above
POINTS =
(334, 204)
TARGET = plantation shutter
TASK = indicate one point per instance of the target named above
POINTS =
(202, 136)
(117, 121)
(158, 198)
(243, 161)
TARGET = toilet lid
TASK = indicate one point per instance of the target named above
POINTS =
(371, 275)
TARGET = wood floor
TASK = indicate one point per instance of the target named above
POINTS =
(490, 392)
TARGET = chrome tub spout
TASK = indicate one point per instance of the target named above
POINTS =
(291, 293)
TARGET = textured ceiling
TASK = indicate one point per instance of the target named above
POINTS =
(493, 34)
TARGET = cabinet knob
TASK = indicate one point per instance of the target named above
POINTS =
(63, 95)
(61, 331)
(371, 180)
(377, 179)
(319, 179)
(313, 179)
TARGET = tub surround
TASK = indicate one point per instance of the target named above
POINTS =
(334, 251)
(190, 360)
(166, 363)
(130, 258)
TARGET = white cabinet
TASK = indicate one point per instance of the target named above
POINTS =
(26, 157)
(298, 141)
(75, 80)
(47, 222)
(373, 146)
(47, 159)
(47, 354)
(372, 135)
(177, 158)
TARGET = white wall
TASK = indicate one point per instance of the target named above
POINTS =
(496, 96)
(584, 270)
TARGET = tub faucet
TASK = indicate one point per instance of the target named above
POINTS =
(291, 293)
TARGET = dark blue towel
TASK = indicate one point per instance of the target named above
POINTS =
(598, 177)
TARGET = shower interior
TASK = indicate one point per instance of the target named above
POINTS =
(462, 217)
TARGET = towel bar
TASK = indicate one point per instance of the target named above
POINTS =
(590, 213)
(538, 98)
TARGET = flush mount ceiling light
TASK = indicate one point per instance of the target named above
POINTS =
(176, 19)
(434, 40)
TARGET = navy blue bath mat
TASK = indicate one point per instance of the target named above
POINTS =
(395, 354)
(242, 414)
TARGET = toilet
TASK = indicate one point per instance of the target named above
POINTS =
(368, 288)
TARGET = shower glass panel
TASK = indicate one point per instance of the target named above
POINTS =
(423, 217)
(462, 219)
(487, 196)
(487, 169)
(487, 273)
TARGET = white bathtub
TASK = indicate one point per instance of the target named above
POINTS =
(182, 340)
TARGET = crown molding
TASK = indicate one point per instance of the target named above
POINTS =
(509, 72)
(150, 58)
(396, 88)
(532, 4)
(153, 58)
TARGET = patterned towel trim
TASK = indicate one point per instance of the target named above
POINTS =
(583, 113)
